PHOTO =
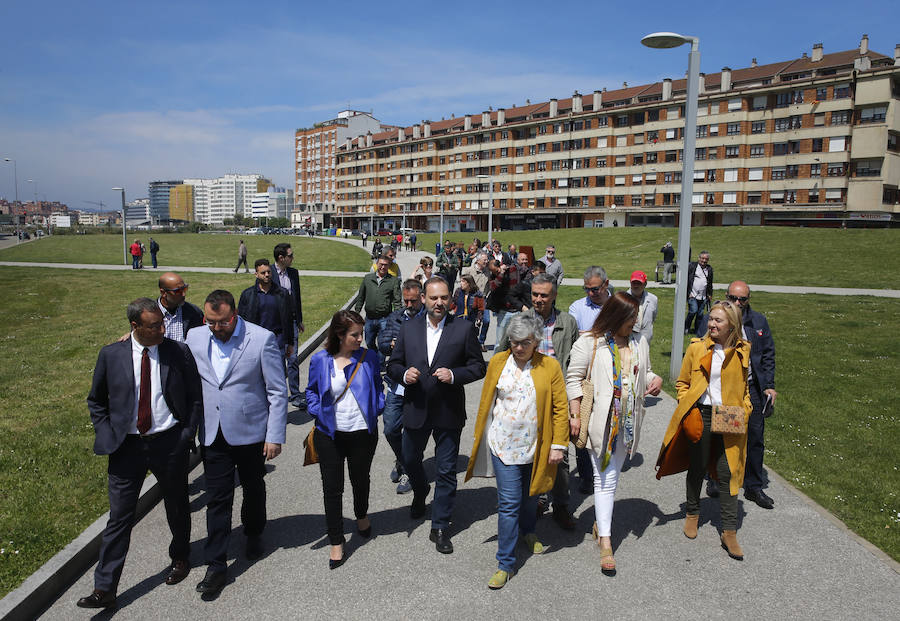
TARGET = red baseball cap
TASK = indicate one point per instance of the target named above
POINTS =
(639, 276)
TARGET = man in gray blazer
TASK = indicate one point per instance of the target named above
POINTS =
(245, 407)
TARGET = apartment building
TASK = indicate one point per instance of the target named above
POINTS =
(159, 192)
(316, 148)
(807, 141)
(223, 197)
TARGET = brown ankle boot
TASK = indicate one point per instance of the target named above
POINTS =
(690, 526)
(731, 545)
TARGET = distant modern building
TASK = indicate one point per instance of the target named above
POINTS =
(138, 213)
(159, 199)
(809, 141)
(181, 203)
(223, 197)
(61, 220)
(273, 203)
(316, 147)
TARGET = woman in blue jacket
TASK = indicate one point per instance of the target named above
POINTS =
(345, 396)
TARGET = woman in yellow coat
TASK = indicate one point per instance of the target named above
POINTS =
(521, 434)
(714, 372)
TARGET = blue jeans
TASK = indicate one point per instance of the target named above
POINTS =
(485, 324)
(503, 319)
(135, 262)
(695, 311)
(293, 369)
(372, 328)
(393, 420)
(516, 510)
(446, 452)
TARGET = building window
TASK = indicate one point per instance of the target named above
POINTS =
(731, 174)
(834, 196)
(755, 174)
(868, 168)
(817, 145)
(754, 198)
(711, 175)
(702, 131)
(778, 172)
(732, 151)
(734, 104)
(784, 99)
(837, 143)
(714, 129)
(779, 148)
(776, 197)
(602, 121)
(636, 200)
(840, 117)
(700, 153)
(758, 127)
(822, 93)
(622, 120)
(893, 143)
(729, 198)
(841, 91)
(671, 156)
(873, 115)
(759, 102)
(733, 129)
(813, 196)
(836, 169)
(653, 115)
(653, 155)
(815, 170)
(792, 171)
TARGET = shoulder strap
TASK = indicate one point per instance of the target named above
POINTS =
(593, 355)
(352, 375)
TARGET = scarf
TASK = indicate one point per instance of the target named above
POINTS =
(620, 412)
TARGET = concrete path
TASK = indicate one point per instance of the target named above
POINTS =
(800, 564)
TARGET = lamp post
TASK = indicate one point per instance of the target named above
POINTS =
(665, 40)
(34, 187)
(490, 206)
(16, 182)
(441, 191)
(124, 241)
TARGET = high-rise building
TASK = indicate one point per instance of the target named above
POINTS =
(810, 141)
(138, 212)
(159, 199)
(181, 203)
(316, 147)
(223, 197)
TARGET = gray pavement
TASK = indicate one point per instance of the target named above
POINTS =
(800, 563)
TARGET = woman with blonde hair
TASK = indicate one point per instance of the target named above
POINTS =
(713, 373)
(425, 270)
(618, 364)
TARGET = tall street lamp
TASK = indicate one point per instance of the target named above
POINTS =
(665, 40)
(16, 182)
(124, 241)
(490, 206)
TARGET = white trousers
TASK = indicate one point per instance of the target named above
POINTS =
(605, 486)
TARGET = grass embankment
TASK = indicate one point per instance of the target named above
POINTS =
(53, 323)
(762, 255)
(835, 430)
(189, 249)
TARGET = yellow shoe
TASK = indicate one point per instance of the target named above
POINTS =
(499, 579)
(532, 543)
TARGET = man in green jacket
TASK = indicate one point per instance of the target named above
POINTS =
(379, 293)
(560, 333)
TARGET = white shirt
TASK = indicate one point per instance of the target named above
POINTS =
(220, 353)
(713, 394)
(160, 416)
(698, 288)
(347, 414)
(433, 336)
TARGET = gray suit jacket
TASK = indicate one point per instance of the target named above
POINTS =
(250, 402)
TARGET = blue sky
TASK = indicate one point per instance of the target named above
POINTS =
(101, 94)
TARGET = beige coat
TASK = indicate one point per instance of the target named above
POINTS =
(602, 376)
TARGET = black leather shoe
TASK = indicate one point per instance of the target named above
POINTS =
(97, 599)
(562, 517)
(441, 540)
(712, 488)
(254, 548)
(212, 582)
(417, 508)
(178, 572)
(759, 497)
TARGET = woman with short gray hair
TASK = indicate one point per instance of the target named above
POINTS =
(521, 433)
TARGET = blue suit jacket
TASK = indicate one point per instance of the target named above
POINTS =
(441, 405)
(111, 400)
(250, 402)
(366, 388)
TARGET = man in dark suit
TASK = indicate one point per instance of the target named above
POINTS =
(288, 279)
(699, 290)
(434, 358)
(266, 304)
(145, 404)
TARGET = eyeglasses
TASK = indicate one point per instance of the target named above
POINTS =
(523, 344)
(222, 324)
(737, 298)
(724, 303)
(177, 289)
(592, 289)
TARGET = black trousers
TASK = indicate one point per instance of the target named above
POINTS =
(756, 447)
(358, 448)
(167, 459)
(710, 447)
(220, 460)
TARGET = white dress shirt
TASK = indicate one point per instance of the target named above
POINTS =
(713, 394)
(433, 336)
(161, 417)
(220, 353)
(347, 414)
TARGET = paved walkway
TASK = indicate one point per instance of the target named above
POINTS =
(799, 564)
(409, 261)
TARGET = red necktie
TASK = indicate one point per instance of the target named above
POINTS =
(143, 421)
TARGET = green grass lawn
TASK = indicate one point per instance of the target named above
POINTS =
(760, 255)
(835, 430)
(190, 249)
(53, 323)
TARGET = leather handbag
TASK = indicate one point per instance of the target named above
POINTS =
(728, 419)
(587, 402)
(310, 454)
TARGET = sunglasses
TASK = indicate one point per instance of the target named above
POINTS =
(737, 298)
(592, 289)
(177, 289)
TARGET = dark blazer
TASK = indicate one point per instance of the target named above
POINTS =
(430, 400)
(111, 400)
(191, 317)
(248, 309)
(294, 294)
(762, 348)
(692, 267)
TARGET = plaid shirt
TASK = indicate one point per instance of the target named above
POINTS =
(546, 344)
(173, 322)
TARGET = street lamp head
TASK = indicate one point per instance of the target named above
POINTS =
(483, 176)
(118, 189)
(665, 40)
(8, 159)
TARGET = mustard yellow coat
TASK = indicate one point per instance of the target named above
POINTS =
(674, 455)
(553, 419)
